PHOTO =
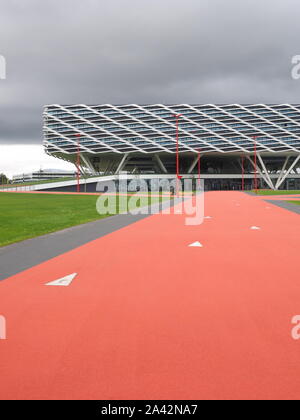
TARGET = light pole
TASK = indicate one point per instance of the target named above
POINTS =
(78, 162)
(243, 173)
(255, 164)
(178, 177)
(199, 166)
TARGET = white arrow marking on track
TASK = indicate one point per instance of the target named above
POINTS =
(65, 281)
(196, 245)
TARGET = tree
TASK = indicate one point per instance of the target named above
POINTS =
(3, 179)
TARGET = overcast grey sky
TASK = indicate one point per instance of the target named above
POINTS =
(142, 51)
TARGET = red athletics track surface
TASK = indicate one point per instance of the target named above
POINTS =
(150, 318)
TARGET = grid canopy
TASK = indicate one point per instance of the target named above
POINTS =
(149, 129)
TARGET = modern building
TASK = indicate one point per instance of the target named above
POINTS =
(43, 175)
(141, 139)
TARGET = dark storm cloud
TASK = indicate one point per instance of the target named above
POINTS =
(143, 51)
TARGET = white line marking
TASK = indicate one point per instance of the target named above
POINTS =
(65, 281)
(255, 228)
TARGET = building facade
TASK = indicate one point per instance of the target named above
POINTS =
(229, 140)
(43, 175)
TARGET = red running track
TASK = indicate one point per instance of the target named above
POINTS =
(150, 318)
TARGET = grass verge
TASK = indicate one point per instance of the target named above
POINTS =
(279, 192)
(24, 216)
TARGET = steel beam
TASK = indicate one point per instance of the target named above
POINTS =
(288, 171)
(194, 163)
(160, 164)
(122, 163)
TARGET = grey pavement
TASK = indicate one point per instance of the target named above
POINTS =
(18, 257)
(23, 255)
(286, 205)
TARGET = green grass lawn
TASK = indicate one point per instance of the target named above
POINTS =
(24, 216)
(295, 202)
(279, 192)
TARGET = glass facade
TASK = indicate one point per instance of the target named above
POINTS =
(149, 129)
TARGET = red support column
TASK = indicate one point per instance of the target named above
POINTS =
(178, 177)
(78, 162)
(243, 173)
(199, 166)
(255, 165)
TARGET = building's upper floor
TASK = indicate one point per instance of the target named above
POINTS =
(136, 128)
